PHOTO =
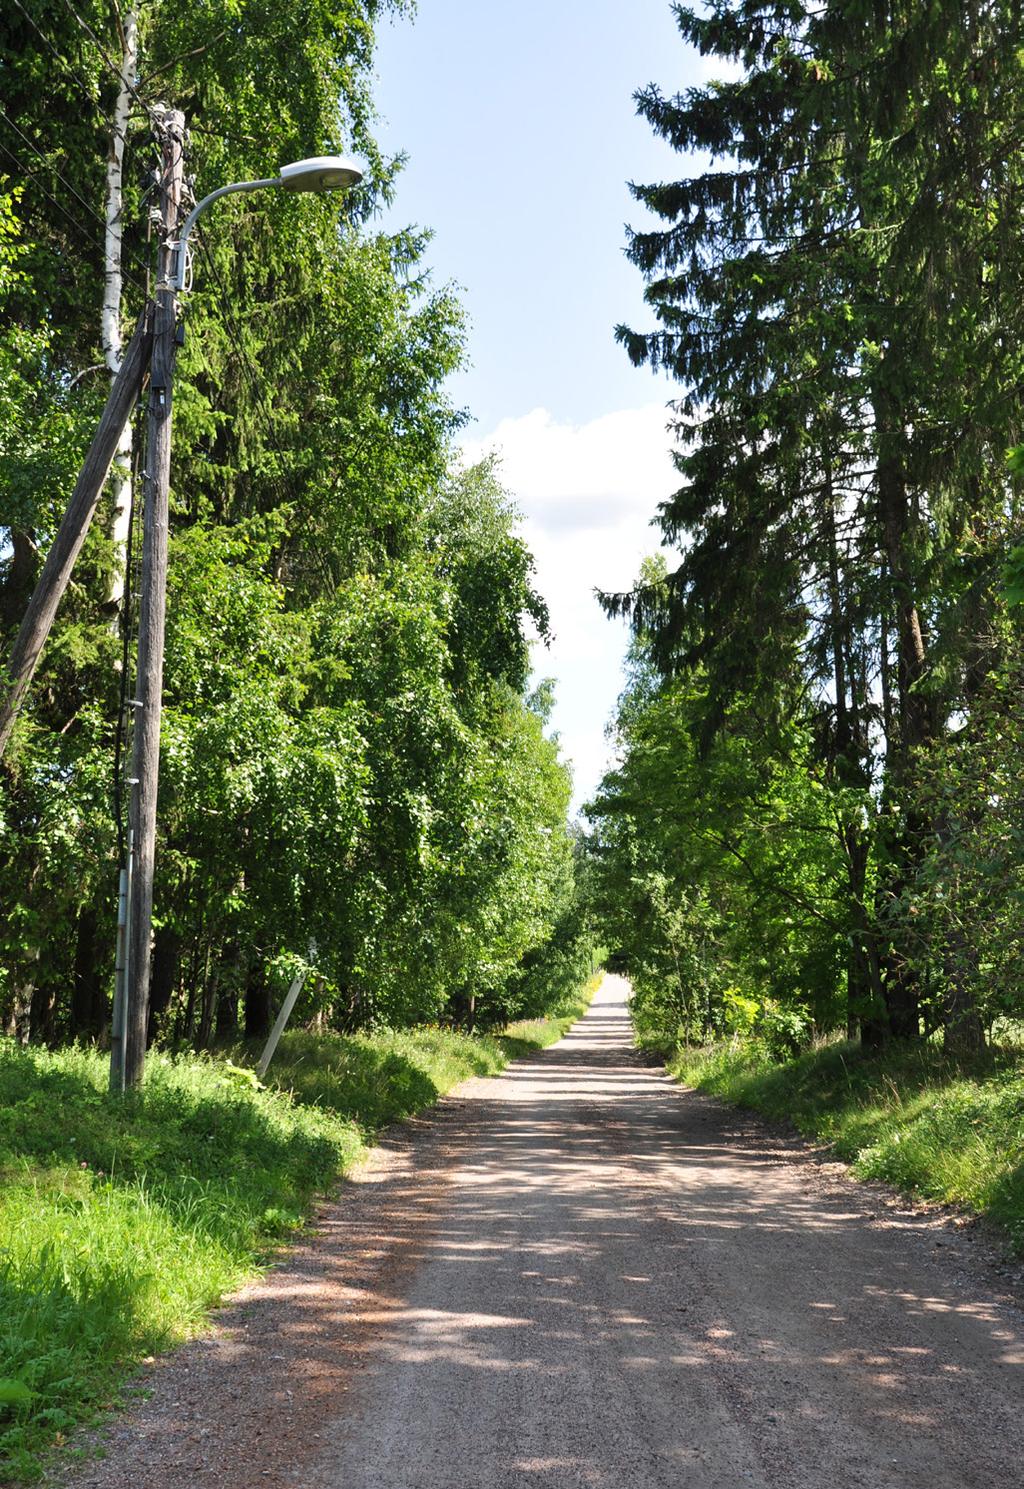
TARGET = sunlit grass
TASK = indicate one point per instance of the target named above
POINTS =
(909, 1117)
(122, 1223)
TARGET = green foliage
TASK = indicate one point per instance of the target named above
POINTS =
(377, 1078)
(121, 1224)
(836, 293)
(933, 1127)
(350, 761)
(712, 870)
(14, 1393)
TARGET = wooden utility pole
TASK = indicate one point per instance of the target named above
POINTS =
(64, 550)
(153, 602)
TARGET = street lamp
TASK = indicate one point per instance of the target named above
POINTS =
(135, 909)
(318, 173)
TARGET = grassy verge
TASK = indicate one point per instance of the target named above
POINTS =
(122, 1223)
(932, 1128)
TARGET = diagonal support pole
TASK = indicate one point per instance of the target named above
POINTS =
(66, 546)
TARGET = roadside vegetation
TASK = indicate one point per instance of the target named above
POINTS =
(355, 745)
(810, 850)
(122, 1223)
(949, 1131)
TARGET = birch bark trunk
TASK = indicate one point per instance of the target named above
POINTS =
(120, 471)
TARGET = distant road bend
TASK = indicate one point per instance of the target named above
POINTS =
(577, 1273)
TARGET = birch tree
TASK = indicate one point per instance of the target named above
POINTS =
(113, 285)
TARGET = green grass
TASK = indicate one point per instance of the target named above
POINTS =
(932, 1128)
(122, 1223)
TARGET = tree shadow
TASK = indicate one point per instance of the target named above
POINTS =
(581, 1274)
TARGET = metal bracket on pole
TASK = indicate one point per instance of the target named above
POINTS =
(178, 247)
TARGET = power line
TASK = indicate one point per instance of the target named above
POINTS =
(112, 66)
(83, 233)
(85, 90)
(71, 190)
(50, 166)
(68, 68)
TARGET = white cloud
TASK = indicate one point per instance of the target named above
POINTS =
(587, 494)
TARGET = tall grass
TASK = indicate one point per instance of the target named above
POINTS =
(931, 1127)
(123, 1222)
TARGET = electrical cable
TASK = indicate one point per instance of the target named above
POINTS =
(49, 164)
(67, 66)
(71, 190)
(73, 72)
(82, 232)
(112, 66)
(149, 110)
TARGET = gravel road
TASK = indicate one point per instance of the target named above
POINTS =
(578, 1273)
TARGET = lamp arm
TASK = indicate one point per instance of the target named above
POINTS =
(181, 242)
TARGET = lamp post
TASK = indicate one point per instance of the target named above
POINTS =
(318, 173)
(131, 998)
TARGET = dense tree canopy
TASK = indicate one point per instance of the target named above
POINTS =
(353, 772)
(837, 294)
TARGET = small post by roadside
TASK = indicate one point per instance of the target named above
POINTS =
(290, 1000)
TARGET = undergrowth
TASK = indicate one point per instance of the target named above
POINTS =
(942, 1130)
(123, 1222)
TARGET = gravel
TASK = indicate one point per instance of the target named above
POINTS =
(579, 1273)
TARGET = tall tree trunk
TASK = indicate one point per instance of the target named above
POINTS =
(963, 1034)
(915, 713)
(257, 1001)
(205, 995)
(185, 1024)
(166, 957)
(41, 1011)
(120, 470)
(227, 1011)
(19, 582)
(18, 1024)
(864, 1001)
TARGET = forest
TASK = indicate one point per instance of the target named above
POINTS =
(353, 757)
(816, 823)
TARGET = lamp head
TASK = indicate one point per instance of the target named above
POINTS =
(320, 173)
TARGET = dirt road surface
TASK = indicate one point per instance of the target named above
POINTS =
(577, 1273)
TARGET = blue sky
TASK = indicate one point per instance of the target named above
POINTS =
(521, 133)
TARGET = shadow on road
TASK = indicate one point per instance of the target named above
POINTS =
(577, 1273)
